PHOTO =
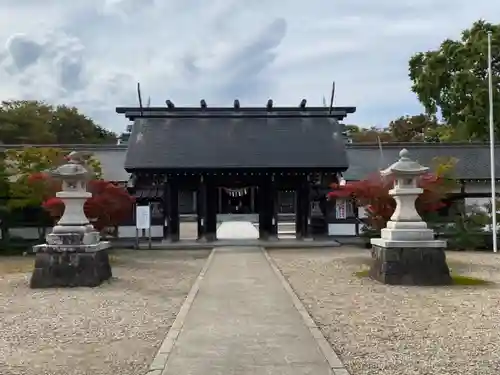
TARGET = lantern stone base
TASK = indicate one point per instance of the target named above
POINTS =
(83, 266)
(414, 265)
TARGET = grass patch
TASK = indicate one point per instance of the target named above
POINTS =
(466, 280)
(115, 259)
(362, 273)
(457, 279)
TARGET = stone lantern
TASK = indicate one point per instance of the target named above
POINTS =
(406, 252)
(74, 255)
(74, 176)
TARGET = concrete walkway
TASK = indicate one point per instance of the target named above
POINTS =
(243, 320)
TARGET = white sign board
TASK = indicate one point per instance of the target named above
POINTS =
(340, 229)
(340, 209)
(142, 217)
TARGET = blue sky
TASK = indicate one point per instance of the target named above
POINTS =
(91, 53)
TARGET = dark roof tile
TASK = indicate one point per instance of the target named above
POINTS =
(267, 142)
(473, 158)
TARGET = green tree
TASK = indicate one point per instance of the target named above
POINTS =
(418, 128)
(453, 81)
(35, 122)
(367, 135)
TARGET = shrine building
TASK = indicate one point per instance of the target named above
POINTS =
(262, 162)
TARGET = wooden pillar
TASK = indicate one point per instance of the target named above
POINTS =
(174, 222)
(252, 199)
(201, 208)
(267, 208)
(166, 210)
(307, 207)
(219, 200)
(299, 217)
(330, 213)
(211, 210)
(273, 207)
(302, 212)
(263, 209)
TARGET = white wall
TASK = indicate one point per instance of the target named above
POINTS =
(362, 212)
(341, 229)
(478, 202)
(129, 232)
(28, 233)
(480, 187)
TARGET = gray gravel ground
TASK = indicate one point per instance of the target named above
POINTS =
(114, 329)
(391, 330)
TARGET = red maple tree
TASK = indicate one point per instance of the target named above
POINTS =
(109, 206)
(372, 193)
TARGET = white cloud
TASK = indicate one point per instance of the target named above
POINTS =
(91, 53)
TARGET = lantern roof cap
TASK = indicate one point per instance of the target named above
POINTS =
(405, 166)
(74, 169)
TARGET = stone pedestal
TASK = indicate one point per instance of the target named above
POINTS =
(54, 268)
(407, 254)
(417, 265)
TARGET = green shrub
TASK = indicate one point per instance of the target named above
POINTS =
(457, 279)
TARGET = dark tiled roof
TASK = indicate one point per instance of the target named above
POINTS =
(268, 141)
(473, 158)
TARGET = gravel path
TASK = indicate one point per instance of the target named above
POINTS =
(114, 329)
(390, 330)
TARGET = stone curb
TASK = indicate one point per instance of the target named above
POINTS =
(159, 363)
(333, 360)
